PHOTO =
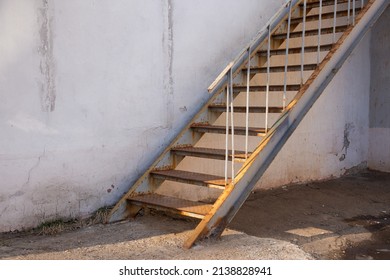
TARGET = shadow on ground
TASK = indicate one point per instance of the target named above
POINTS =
(345, 218)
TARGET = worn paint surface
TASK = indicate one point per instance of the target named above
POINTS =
(47, 65)
(380, 95)
(92, 91)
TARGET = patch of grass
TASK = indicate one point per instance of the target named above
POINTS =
(51, 227)
(100, 216)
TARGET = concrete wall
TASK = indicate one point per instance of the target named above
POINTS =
(92, 90)
(379, 155)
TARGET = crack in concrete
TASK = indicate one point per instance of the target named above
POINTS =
(35, 166)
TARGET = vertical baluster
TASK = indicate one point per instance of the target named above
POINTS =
(349, 12)
(247, 102)
(268, 78)
(361, 4)
(286, 60)
(353, 12)
(227, 128)
(334, 21)
(319, 33)
(303, 40)
(232, 122)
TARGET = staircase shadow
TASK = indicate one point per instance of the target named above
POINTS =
(319, 214)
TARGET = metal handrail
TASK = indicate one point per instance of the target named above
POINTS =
(225, 79)
(220, 82)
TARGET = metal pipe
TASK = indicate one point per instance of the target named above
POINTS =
(303, 40)
(268, 78)
(232, 122)
(361, 4)
(334, 21)
(319, 33)
(286, 59)
(247, 103)
(227, 130)
(353, 12)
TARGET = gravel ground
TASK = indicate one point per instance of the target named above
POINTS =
(149, 237)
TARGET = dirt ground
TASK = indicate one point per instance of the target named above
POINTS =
(346, 218)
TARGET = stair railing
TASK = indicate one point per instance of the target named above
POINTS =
(226, 78)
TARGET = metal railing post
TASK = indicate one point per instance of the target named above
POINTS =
(319, 33)
(232, 122)
(349, 12)
(247, 102)
(227, 129)
(334, 21)
(353, 12)
(268, 78)
(286, 59)
(303, 40)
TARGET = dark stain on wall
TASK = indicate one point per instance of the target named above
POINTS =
(47, 63)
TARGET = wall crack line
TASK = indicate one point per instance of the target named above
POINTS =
(35, 166)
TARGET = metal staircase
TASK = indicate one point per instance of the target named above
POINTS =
(255, 105)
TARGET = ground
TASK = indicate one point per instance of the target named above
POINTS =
(345, 218)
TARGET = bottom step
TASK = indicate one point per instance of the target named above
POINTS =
(179, 206)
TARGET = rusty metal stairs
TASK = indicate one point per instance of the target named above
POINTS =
(255, 105)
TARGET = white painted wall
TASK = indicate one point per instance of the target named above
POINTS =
(91, 91)
(379, 155)
(333, 136)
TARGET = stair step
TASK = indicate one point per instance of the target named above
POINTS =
(237, 89)
(316, 4)
(329, 15)
(200, 179)
(242, 109)
(311, 32)
(176, 205)
(238, 130)
(308, 49)
(218, 154)
(276, 69)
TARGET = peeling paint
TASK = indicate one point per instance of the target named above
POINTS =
(347, 129)
(47, 64)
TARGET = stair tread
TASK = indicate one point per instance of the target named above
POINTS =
(290, 68)
(328, 15)
(210, 151)
(315, 4)
(173, 203)
(180, 175)
(291, 87)
(240, 130)
(325, 47)
(311, 32)
(242, 109)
